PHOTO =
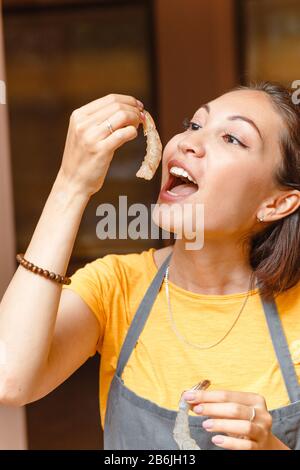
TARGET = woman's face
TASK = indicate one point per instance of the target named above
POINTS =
(230, 150)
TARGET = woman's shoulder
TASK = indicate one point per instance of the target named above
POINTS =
(150, 259)
(112, 269)
(130, 264)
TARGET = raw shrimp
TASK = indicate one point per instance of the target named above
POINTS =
(181, 432)
(154, 149)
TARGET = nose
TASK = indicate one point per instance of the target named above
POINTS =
(189, 145)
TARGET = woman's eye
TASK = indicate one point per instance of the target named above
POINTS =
(190, 125)
(233, 140)
(229, 138)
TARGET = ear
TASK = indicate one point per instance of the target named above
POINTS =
(282, 205)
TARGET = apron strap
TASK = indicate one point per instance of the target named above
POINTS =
(282, 350)
(141, 317)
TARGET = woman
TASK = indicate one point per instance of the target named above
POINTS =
(212, 317)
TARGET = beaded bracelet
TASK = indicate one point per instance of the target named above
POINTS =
(43, 272)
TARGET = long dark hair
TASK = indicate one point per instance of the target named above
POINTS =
(275, 250)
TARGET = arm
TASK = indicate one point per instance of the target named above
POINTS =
(37, 339)
(29, 307)
(75, 338)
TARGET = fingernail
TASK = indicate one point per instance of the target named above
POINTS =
(208, 424)
(218, 440)
(189, 395)
(143, 116)
(140, 104)
(198, 409)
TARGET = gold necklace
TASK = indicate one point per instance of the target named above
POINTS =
(180, 336)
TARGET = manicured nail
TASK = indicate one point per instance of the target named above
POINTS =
(142, 116)
(218, 440)
(140, 104)
(208, 424)
(198, 409)
(189, 395)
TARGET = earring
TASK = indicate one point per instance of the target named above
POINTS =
(260, 219)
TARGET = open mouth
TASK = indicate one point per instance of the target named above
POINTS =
(180, 183)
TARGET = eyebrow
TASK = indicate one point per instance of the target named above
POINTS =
(235, 117)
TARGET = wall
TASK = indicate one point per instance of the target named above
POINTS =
(12, 420)
(196, 56)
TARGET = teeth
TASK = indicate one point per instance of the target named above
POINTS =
(177, 171)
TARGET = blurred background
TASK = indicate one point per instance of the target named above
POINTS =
(60, 54)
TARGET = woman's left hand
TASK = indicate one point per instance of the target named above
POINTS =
(242, 417)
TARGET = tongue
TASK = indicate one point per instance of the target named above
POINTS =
(185, 189)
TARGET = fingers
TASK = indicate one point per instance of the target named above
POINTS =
(92, 140)
(120, 119)
(232, 413)
(223, 396)
(100, 103)
(235, 428)
(233, 443)
(225, 410)
(117, 139)
(101, 115)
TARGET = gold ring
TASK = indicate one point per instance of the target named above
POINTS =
(253, 415)
(109, 126)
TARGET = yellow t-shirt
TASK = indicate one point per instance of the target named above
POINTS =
(162, 366)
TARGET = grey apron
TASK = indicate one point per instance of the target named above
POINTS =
(134, 423)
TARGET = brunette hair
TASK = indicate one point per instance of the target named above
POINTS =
(275, 250)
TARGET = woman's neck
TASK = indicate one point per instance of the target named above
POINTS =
(217, 269)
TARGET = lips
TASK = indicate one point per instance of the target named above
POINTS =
(178, 163)
(177, 187)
